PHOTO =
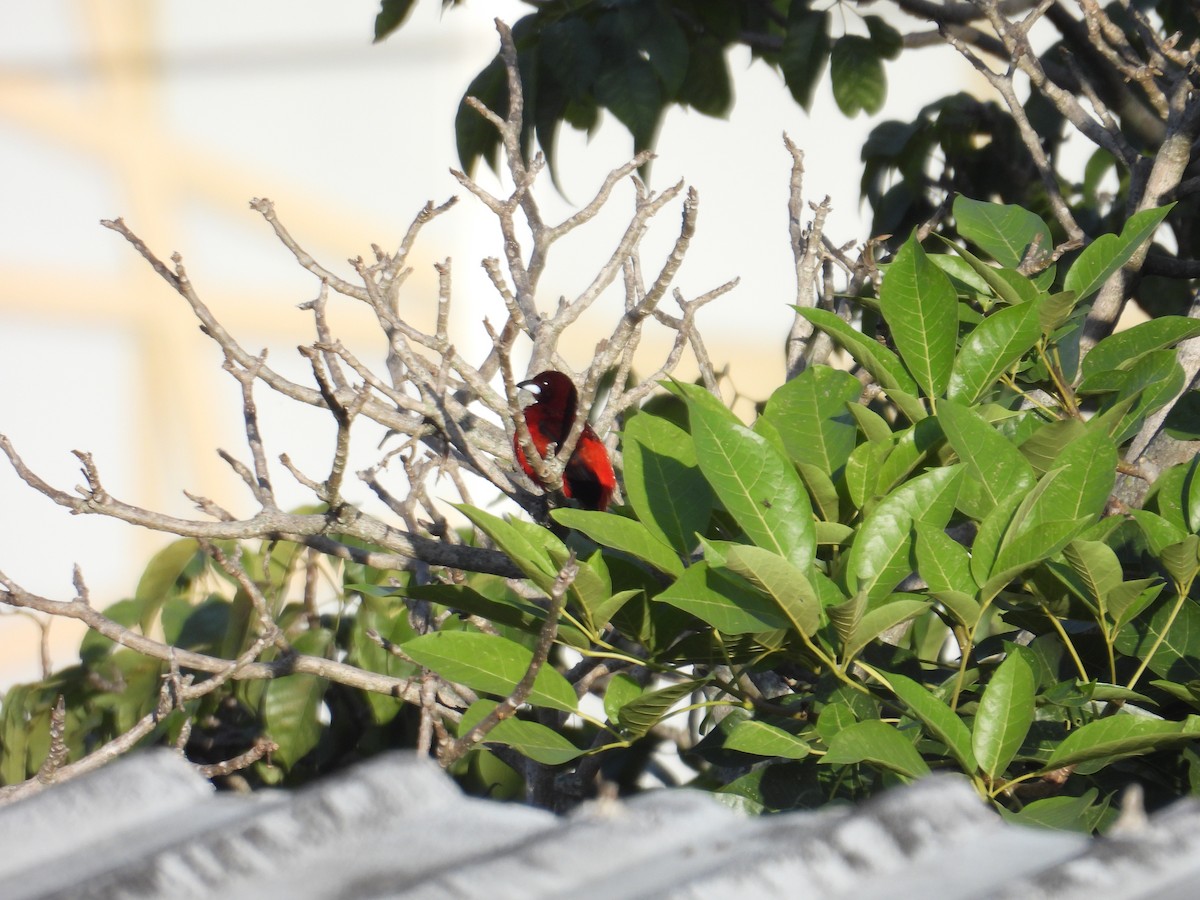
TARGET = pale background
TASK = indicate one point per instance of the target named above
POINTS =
(173, 114)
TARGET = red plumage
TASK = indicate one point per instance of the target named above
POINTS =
(588, 476)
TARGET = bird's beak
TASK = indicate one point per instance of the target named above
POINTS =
(527, 393)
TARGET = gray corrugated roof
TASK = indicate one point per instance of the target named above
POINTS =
(150, 826)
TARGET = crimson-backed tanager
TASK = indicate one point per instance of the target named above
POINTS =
(588, 475)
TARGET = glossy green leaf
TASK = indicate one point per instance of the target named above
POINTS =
(1002, 231)
(1109, 252)
(760, 739)
(1048, 440)
(1008, 286)
(1191, 495)
(805, 51)
(941, 721)
(810, 413)
(942, 561)
(1177, 656)
(489, 663)
(991, 348)
(290, 705)
(727, 606)
(391, 16)
(921, 310)
(1005, 712)
(1120, 736)
(1082, 813)
(881, 555)
(823, 492)
(871, 355)
(529, 557)
(1121, 350)
(1096, 565)
(1128, 599)
(878, 620)
(1080, 483)
(758, 487)
(857, 75)
(628, 86)
(158, 579)
(642, 713)
(880, 745)
(622, 688)
(622, 534)
(1158, 531)
(782, 581)
(531, 739)
(991, 461)
(663, 482)
(910, 450)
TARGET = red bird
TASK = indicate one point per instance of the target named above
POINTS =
(588, 475)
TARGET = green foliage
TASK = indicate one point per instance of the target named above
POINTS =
(929, 579)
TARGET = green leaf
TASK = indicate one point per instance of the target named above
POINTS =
(991, 461)
(571, 54)
(707, 87)
(530, 739)
(857, 75)
(862, 472)
(1031, 546)
(886, 39)
(1096, 565)
(622, 689)
(757, 486)
(810, 413)
(628, 86)
(991, 348)
(909, 450)
(1120, 736)
(760, 739)
(1078, 486)
(921, 310)
(1159, 532)
(642, 713)
(1007, 285)
(1127, 600)
(942, 561)
(1080, 813)
(879, 620)
(663, 482)
(941, 721)
(1005, 713)
(1108, 252)
(782, 581)
(1191, 495)
(622, 534)
(1121, 350)
(653, 32)
(489, 663)
(1002, 231)
(530, 558)
(880, 745)
(805, 52)
(824, 494)
(727, 606)
(1045, 444)
(290, 704)
(391, 16)
(883, 365)
(1177, 657)
(475, 136)
(159, 578)
(881, 556)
